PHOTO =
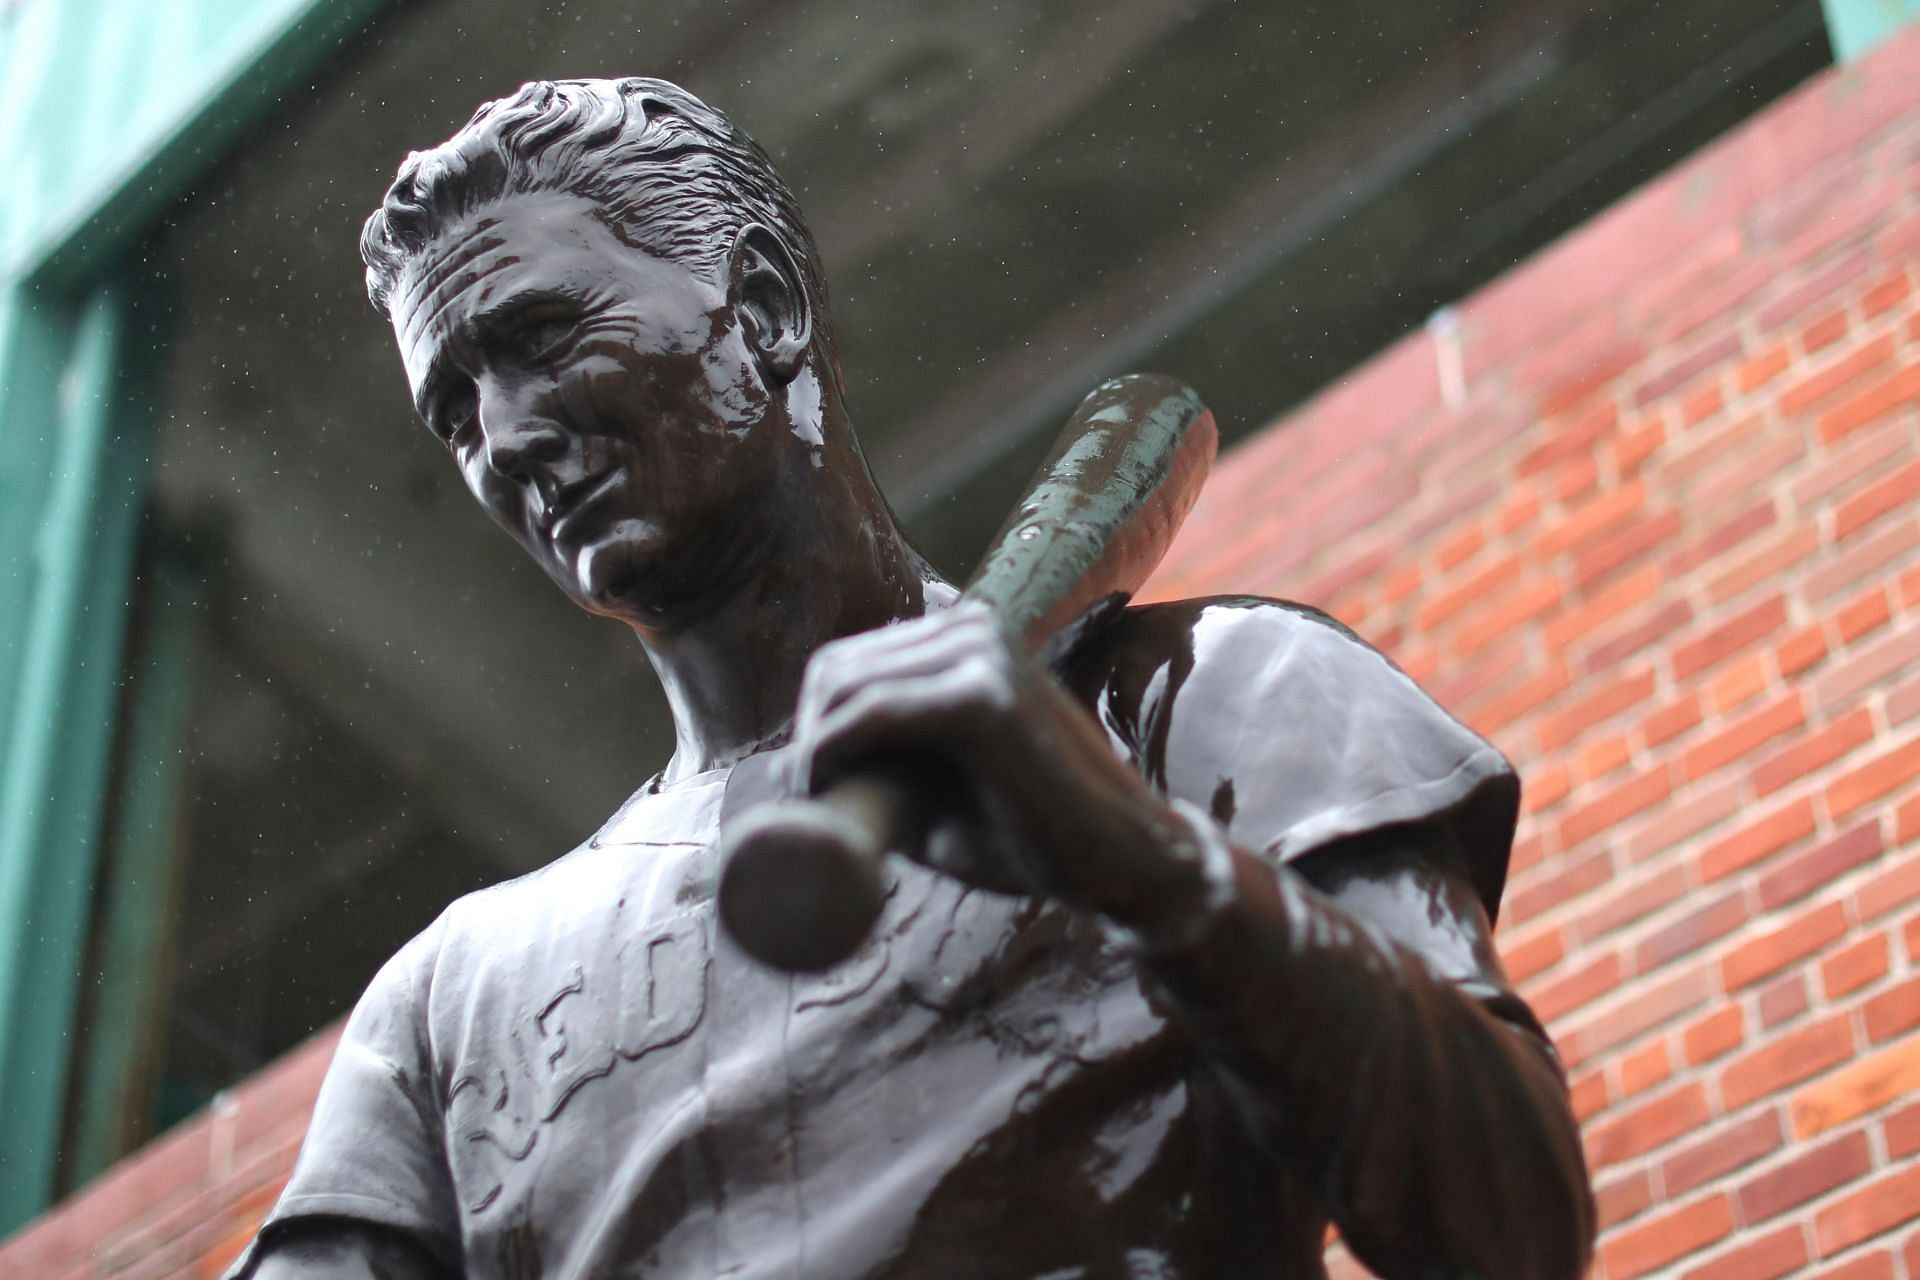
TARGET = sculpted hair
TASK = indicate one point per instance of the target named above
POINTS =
(680, 177)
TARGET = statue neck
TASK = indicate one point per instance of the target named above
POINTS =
(834, 563)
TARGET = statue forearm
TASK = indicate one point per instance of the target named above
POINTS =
(1435, 1128)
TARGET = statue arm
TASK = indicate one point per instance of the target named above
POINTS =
(1359, 1012)
(342, 1249)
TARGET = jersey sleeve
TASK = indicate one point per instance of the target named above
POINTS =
(1294, 733)
(374, 1152)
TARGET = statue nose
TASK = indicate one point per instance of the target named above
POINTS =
(521, 443)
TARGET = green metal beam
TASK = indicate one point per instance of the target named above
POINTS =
(111, 110)
(140, 874)
(54, 767)
(1857, 26)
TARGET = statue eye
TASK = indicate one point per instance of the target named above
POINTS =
(542, 336)
(454, 412)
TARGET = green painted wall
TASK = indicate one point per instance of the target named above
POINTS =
(109, 111)
(1856, 26)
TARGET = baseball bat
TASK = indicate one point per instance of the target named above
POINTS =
(801, 882)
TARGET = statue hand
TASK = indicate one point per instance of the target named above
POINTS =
(1022, 788)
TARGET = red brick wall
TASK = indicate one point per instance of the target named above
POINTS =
(1646, 517)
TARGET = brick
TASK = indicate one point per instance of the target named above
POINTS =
(1588, 1095)
(1516, 700)
(1702, 403)
(1678, 823)
(1858, 964)
(1717, 1034)
(1524, 958)
(1667, 1238)
(1807, 1175)
(1743, 737)
(1873, 1210)
(1714, 1157)
(1840, 686)
(1773, 456)
(1837, 376)
(1621, 1198)
(1460, 548)
(1821, 865)
(1893, 888)
(1867, 612)
(1694, 462)
(1630, 903)
(1768, 562)
(1603, 607)
(1895, 391)
(1895, 492)
(1518, 513)
(1730, 637)
(1868, 1266)
(1711, 301)
(1763, 1258)
(1783, 1000)
(1864, 558)
(1865, 1086)
(1552, 1000)
(1546, 788)
(1884, 295)
(1546, 892)
(1762, 369)
(1725, 536)
(1595, 370)
(1867, 782)
(1595, 708)
(1603, 756)
(1824, 332)
(1671, 720)
(1584, 524)
(1644, 1068)
(1864, 452)
(1812, 752)
(1759, 839)
(1800, 652)
(1634, 446)
(1487, 580)
(1649, 1008)
(1739, 683)
(1893, 1012)
(1902, 1130)
(1773, 951)
(1690, 932)
(1501, 617)
(1683, 368)
(1903, 701)
(1623, 549)
(1655, 629)
(1810, 290)
(1615, 806)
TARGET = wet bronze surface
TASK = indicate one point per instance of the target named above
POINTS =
(1192, 953)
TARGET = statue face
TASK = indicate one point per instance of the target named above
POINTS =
(602, 403)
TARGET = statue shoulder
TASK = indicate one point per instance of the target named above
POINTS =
(1292, 731)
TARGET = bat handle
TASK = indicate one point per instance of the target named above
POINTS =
(800, 883)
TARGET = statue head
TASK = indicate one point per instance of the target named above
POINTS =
(611, 311)
(679, 177)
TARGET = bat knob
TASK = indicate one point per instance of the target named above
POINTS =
(800, 884)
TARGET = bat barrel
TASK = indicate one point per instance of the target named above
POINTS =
(801, 881)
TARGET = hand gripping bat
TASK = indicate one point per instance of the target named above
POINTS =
(801, 882)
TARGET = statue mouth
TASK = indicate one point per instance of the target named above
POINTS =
(574, 500)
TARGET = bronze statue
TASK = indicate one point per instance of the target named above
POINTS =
(1191, 952)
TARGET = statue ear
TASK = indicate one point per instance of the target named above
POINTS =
(770, 300)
